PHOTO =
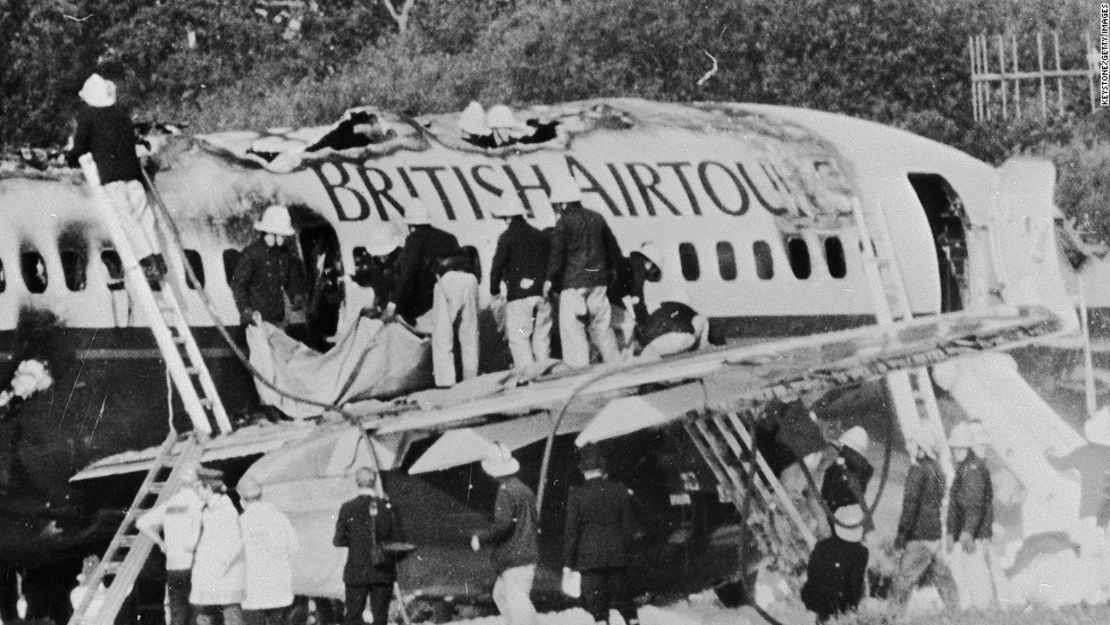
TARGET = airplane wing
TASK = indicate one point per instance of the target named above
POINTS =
(611, 400)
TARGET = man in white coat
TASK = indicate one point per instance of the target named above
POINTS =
(175, 527)
(269, 543)
(219, 574)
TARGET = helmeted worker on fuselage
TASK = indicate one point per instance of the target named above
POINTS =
(674, 327)
(521, 263)
(626, 293)
(584, 255)
(971, 516)
(267, 268)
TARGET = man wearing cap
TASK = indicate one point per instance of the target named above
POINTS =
(674, 327)
(104, 130)
(266, 268)
(269, 544)
(584, 255)
(513, 538)
(521, 262)
(219, 573)
(174, 526)
(626, 293)
(836, 569)
(364, 525)
(847, 477)
(919, 528)
(598, 538)
(971, 515)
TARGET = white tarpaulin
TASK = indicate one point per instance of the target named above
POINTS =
(369, 360)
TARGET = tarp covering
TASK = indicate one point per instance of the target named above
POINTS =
(370, 360)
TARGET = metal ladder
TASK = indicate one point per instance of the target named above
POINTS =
(910, 390)
(185, 366)
(725, 445)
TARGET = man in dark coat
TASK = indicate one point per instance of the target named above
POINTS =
(626, 293)
(837, 567)
(424, 247)
(971, 515)
(266, 268)
(584, 255)
(365, 524)
(521, 262)
(105, 131)
(919, 530)
(598, 538)
(513, 537)
(847, 477)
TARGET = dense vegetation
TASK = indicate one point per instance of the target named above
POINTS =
(220, 64)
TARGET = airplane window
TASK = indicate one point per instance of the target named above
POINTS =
(74, 264)
(726, 260)
(114, 265)
(764, 263)
(798, 252)
(231, 258)
(197, 266)
(834, 257)
(34, 271)
(688, 260)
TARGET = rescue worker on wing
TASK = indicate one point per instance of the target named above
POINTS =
(674, 327)
(626, 293)
(836, 569)
(382, 262)
(269, 544)
(584, 254)
(847, 477)
(971, 516)
(598, 538)
(521, 262)
(266, 268)
(919, 529)
(104, 130)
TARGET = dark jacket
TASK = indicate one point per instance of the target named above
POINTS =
(669, 317)
(260, 275)
(107, 133)
(584, 252)
(850, 472)
(834, 577)
(513, 531)
(599, 529)
(630, 275)
(424, 248)
(971, 505)
(921, 500)
(521, 256)
(364, 524)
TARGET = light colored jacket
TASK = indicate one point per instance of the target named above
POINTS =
(269, 543)
(178, 519)
(219, 573)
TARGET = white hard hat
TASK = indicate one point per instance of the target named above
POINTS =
(501, 116)
(508, 206)
(849, 515)
(978, 432)
(564, 189)
(416, 213)
(960, 436)
(98, 92)
(1097, 428)
(678, 295)
(383, 240)
(500, 462)
(249, 488)
(473, 120)
(855, 438)
(925, 441)
(652, 252)
(276, 221)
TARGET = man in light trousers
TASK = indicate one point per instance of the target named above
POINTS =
(520, 262)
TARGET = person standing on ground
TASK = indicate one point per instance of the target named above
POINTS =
(269, 544)
(513, 538)
(598, 538)
(919, 528)
(971, 516)
(266, 268)
(364, 525)
(105, 131)
(584, 255)
(219, 573)
(174, 526)
(521, 262)
(847, 477)
(837, 568)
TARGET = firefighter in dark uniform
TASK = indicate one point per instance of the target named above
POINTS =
(266, 268)
(837, 567)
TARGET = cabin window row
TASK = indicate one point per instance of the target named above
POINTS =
(797, 255)
(75, 263)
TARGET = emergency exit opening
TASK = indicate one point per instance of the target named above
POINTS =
(945, 211)
(323, 272)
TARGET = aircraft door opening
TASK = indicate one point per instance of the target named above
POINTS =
(323, 272)
(947, 219)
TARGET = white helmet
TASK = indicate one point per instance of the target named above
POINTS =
(960, 436)
(855, 438)
(98, 92)
(652, 252)
(416, 213)
(276, 221)
(564, 189)
(508, 206)
(473, 120)
(500, 462)
(501, 116)
(383, 240)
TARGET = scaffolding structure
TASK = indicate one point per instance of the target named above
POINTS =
(997, 79)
